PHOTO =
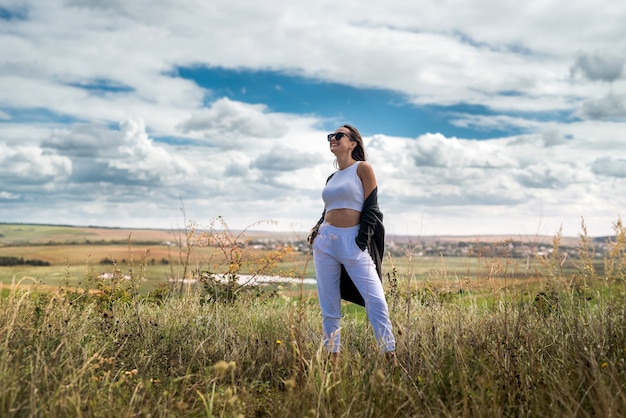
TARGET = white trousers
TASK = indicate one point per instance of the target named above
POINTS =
(336, 246)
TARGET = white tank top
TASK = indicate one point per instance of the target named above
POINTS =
(344, 190)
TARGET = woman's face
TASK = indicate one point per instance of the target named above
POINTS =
(340, 142)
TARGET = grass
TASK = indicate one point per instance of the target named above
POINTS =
(473, 340)
(18, 234)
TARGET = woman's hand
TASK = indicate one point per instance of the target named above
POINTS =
(312, 235)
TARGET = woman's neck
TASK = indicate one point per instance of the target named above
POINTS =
(345, 162)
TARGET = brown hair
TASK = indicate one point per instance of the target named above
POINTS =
(358, 153)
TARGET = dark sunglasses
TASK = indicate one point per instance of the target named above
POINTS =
(336, 136)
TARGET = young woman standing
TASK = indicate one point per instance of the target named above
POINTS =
(348, 243)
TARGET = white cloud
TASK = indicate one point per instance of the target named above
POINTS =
(29, 165)
(111, 75)
(284, 158)
(608, 107)
(8, 196)
(226, 121)
(599, 66)
(119, 156)
(139, 156)
(610, 166)
(553, 137)
(551, 175)
(438, 151)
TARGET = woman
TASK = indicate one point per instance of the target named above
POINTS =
(348, 242)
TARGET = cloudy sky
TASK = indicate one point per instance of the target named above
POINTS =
(479, 117)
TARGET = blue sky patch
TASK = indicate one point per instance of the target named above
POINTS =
(16, 14)
(102, 86)
(178, 141)
(372, 111)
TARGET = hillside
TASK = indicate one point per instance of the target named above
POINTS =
(22, 234)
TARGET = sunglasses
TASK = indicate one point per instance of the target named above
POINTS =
(336, 136)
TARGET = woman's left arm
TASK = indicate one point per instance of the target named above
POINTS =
(367, 176)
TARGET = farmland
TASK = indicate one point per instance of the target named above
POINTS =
(486, 333)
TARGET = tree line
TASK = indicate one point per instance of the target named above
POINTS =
(7, 261)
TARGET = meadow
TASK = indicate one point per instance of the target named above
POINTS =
(476, 335)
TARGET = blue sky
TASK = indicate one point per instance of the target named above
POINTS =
(373, 110)
(479, 117)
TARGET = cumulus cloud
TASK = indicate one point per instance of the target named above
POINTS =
(552, 138)
(126, 155)
(226, 120)
(608, 107)
(284, 158)
(62, 99)
(597, 66)
(501, 122)
(549, 175)
(30, 165)
(438, 151)
(8, 196)
(610, 167)
(84, 140)
(139, 156)
(236, 169)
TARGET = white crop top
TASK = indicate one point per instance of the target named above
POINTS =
(344, 190)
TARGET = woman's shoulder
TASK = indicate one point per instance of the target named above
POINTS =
(363, 167)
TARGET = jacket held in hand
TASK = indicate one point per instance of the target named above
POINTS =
(371, 236)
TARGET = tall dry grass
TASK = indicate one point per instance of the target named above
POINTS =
(116, 353)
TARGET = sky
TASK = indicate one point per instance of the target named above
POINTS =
(479, 117)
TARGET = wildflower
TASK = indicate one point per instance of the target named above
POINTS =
(604, 365)
(278, 342)
(221, 367)
(290, 384)
(230, 396)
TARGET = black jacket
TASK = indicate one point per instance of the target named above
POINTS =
(371, 236)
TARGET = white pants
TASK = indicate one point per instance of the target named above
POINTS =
(336, 246)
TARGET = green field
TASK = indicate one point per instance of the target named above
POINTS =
(23, 234)
(155, 257)
(476, 336)
(151, 257)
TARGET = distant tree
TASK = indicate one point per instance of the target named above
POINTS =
(15, 261)
(107, 261)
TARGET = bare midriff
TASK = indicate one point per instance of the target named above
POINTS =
(343, 218)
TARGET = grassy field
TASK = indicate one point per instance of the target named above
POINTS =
(475, 336)
(15, 234)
